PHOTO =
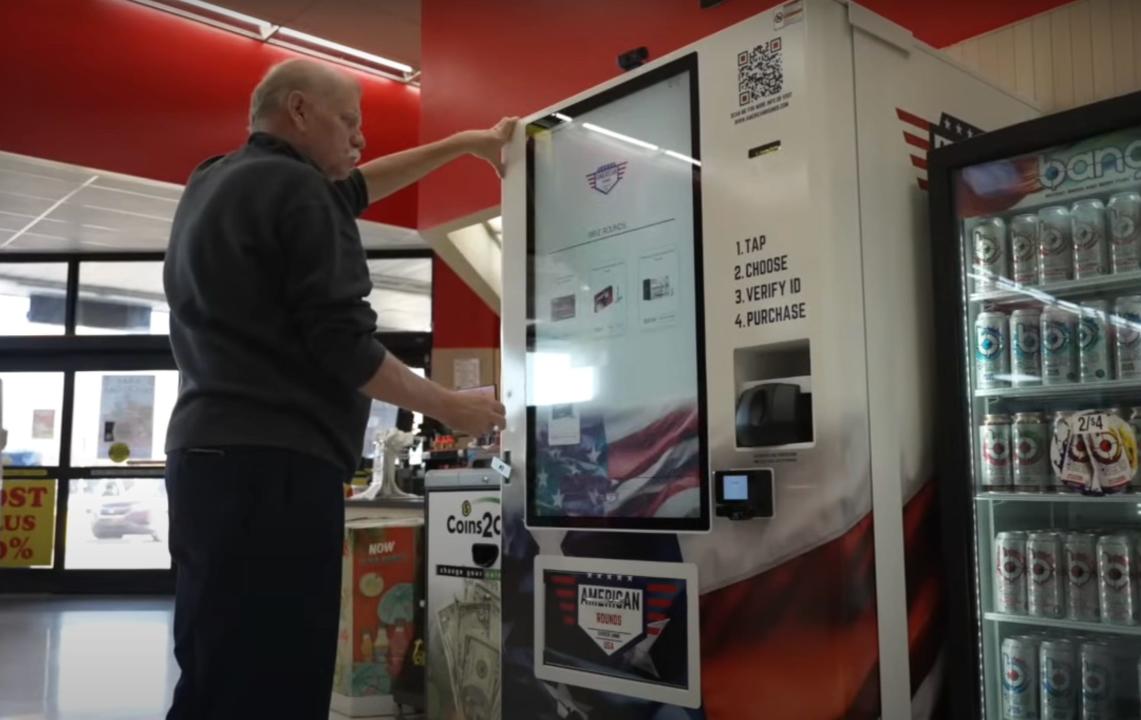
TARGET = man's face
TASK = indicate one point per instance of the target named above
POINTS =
(332, 130)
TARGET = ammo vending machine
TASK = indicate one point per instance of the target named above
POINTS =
(718, 371)
(1037, 238)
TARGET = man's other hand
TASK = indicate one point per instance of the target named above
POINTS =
(474, 414)
(488, 144)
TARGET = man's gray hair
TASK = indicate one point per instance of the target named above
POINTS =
(299, 74)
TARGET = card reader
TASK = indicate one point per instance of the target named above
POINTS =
(744, 494)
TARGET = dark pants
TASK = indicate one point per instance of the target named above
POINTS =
(255, 535)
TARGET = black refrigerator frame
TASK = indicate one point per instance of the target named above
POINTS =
(963, 690)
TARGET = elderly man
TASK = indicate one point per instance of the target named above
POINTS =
(266, 280)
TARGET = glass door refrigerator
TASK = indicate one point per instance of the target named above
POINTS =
(1036, 233)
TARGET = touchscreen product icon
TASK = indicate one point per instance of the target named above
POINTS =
(604, 298)
(562, 308)
(656, 288)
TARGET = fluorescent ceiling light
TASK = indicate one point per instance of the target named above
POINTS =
(266, 31)
(683, 158)
(263, 26)
(215, 15)
(619, 136)
(344, 49)
(564, 118)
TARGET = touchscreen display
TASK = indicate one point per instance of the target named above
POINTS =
(615, 341)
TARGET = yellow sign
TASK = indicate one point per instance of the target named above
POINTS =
(27, 534)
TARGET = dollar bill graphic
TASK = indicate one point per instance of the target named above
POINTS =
(480, 680)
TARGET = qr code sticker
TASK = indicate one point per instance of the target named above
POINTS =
(760, 72)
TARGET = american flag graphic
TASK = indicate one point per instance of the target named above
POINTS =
(630, 464)
(923, 135)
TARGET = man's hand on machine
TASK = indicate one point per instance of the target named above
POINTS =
(488, 144)
(474, 414)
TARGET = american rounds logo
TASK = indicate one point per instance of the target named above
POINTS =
(1057, 336)
(989, 343)
(1022, 247)
(1085, 236)
(1053, 242)
(1089, 332)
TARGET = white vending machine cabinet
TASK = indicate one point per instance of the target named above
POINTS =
(719, 378)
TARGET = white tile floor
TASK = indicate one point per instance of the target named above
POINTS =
(86, 659)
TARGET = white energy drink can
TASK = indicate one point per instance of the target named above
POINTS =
(992, 359)
(1058, 689)
(995, 450)
(991, 258)
(1030, 441)
(1020, 678)
(1117, 583)
(1135, 425)
(1025, 347)
(1124, 211)
(1095, 342)
(1112, 450)
(1060, 438)
(1024, 248)
(1079, 553)
(1059, 347)
(1010, 573)
(1045, 595)
(1099, 682)
(1127, 319)
(1091, 251)
(1055, 249)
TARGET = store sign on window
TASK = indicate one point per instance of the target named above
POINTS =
(27, 508)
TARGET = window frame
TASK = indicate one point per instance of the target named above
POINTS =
(71, 353)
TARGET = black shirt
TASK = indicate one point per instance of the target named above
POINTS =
(266, 279)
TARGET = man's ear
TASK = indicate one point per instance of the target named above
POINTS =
(298, 108)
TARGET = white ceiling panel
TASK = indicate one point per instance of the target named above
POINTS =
(48, 207)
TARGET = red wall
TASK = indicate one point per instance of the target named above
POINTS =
(118, 86)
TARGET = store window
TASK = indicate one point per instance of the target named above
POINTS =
(121, 417)
(32, 298)
(121, 298)
(32, 415)
(117, 524)
(402, 294)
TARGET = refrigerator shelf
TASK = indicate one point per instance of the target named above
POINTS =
(1076, 625)
(1063, 392)
(1130, 498)
(1012, 293)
